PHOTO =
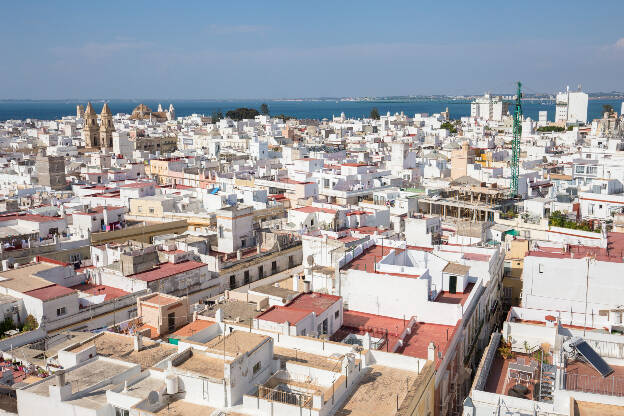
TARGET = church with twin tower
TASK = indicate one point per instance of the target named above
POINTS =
(98, 136)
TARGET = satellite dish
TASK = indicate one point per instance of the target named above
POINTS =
(310, 260)
(152, 397)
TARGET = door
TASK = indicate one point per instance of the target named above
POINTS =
(171, 321)
(452, 284)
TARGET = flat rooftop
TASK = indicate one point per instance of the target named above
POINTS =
(237, 342)
(305, 358)
(233, 310)
(35, 353)
(82, 377)
(313, 302)
(203, 364)
(455, 298)
(271, 290)
(181, 407)
(109, 292)
(414, 345)
(377, 392)
(121, 347)
(160, 299)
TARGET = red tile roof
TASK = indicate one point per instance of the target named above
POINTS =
(314, 302)
(281, 314)
(109, 291)
(167, 270)
(193, 328)
(50, 292)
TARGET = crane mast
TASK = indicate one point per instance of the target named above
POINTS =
(515, 143)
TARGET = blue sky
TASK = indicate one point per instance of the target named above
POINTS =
(277, 49)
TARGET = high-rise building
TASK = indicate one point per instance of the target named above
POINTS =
(571, 107)
(488, 108)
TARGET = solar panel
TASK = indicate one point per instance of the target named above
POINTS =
(593, 358)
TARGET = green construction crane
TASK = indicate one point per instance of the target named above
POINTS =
(515, 143)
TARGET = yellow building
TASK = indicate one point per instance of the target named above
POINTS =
(514, 264)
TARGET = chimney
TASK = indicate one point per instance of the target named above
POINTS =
(138, 342)
(239, 254)
(295, 280)
(61, 391)
(306, 287)
(431, 352)
(5, 265)
(60, 378)
(219, 315)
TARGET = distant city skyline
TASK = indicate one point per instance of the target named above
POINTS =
(119, 50)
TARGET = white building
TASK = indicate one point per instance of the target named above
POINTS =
(571, 107)
(487, 108)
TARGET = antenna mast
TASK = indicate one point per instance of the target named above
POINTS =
(515, 143)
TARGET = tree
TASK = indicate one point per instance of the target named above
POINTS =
(242, 113)
(216, 116)
(284, 117)
(30, 323)
(607, 108)
(447, 125)
(374, 114)
(6, 325)
(264, 109)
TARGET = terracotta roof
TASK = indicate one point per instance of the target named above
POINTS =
(313, 302)
(166, 270)
(281, 314)
(193, 328)
(50, 292)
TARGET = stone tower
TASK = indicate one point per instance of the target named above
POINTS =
(79, 111)
(51, 171)
(106, 128)
(90, 128)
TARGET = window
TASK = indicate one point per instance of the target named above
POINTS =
(337, 314)
(232, 282)
(246, 276)
(274, 267)
(256, 367)
(303, 332)
(220, 231)
(61, 311)
(121, 412)
(151, 210)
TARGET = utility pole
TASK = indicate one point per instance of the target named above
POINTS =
(515, 143)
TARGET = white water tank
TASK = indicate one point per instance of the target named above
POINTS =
(172, 384)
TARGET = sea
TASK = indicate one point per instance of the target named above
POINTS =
(302, 109)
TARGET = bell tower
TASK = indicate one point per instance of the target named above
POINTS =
(106, 128)
(90, 128)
